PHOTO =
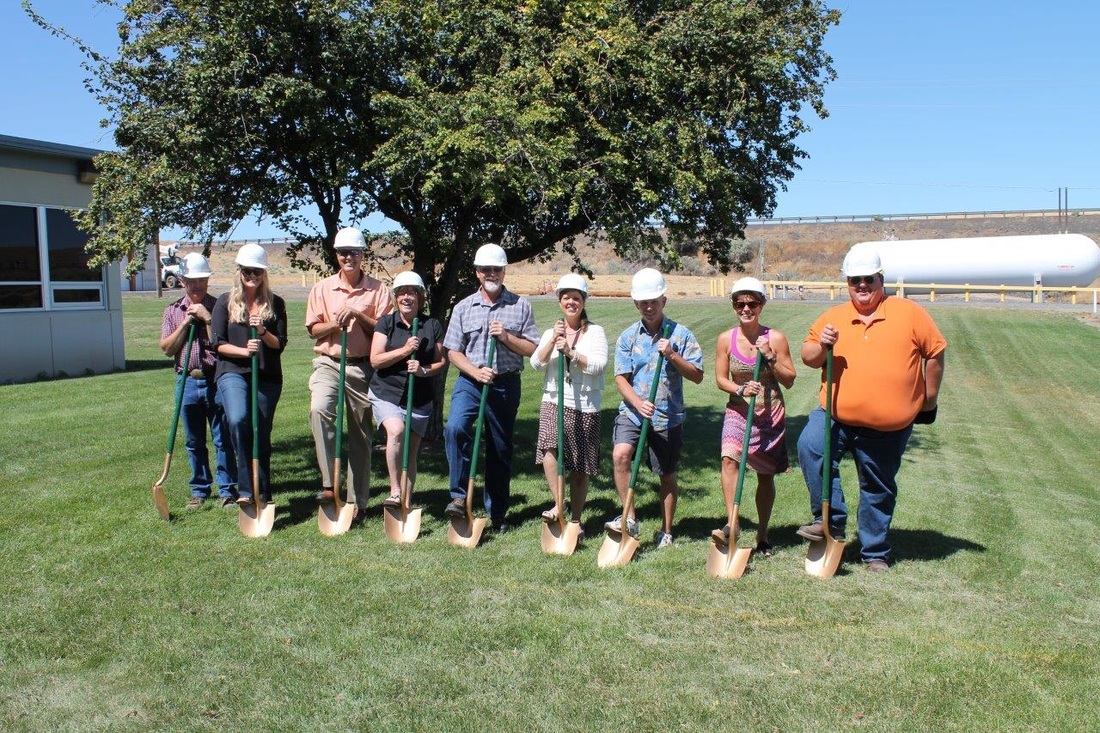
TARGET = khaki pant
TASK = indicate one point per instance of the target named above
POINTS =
(324, 384)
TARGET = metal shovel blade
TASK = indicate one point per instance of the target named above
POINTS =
(334, 518)
(824, 556)
(726, 560)
(618, 549)
(560, 538)
(160, 501)
(256, 519)
(402, 525)
(466, 531)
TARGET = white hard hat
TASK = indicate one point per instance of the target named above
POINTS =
(750, 285)
(861, 261)
(647, 284)
(572, 281)
(349, 238)
(252, 255)
(490, 255)
(407, 278)
(194, 267)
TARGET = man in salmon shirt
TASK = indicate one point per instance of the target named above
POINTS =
(354, 300)
(888, 360)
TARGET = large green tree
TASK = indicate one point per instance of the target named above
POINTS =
(659, 125)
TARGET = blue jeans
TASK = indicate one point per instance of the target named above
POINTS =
(233, 391)
(200, 408)
(500, 421)
(878, 457)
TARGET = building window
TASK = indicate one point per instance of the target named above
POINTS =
(33, 235)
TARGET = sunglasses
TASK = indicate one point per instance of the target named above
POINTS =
(865, 279)
(348, 252)
(743, 304)
(251, 271)
(489, 270)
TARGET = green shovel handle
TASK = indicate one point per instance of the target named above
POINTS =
(826, 465)
(409, 380)
(561, 414)
(481, 410)
(748, 430)
(646, 421)
(255, 403)
(179, 387)
(340, 389)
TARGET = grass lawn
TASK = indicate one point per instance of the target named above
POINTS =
(112, 619)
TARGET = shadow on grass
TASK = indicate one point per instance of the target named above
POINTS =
(146, 365)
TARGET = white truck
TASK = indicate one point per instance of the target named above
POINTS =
(169, 266)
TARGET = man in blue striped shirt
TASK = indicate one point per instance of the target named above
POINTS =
(491, 312)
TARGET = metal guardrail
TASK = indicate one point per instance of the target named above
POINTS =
(920, 217)
(799, 289)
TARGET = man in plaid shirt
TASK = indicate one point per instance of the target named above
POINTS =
(200, 405)
(491, 312)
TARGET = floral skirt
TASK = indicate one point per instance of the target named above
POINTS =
(768, 442)
(582, 437)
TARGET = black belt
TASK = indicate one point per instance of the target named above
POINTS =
(513, 373)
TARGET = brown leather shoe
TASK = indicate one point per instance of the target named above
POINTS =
(325, 495)
(878, 566)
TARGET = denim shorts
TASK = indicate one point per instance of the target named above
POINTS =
(384, 410)
(663, 446)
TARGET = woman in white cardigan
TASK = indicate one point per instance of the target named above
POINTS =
(584, 346)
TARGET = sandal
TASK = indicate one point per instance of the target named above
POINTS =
(764, 549)
(550, 515)
(392, 500)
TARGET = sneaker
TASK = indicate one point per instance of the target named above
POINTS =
(229, 502)
(878, 566)
(456, 509)
(195, 503)
(325, 495)
(662, 539)
(616, 525)
(721, 536)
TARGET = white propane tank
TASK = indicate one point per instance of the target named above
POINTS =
(1055, 260)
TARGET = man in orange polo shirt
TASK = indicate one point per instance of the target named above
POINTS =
(354, 300)
(888, 359)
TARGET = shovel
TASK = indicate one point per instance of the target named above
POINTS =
(615, 552)
(560, 537)
(824, 555)
(726, 560)
(335, 518)
(159, 500)
(466, 531)
(400, 524)
(256, 519)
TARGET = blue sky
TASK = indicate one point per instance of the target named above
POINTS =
(938, 106)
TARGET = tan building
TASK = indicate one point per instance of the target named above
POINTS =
(57, 317)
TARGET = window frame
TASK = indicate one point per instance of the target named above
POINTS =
(47, 286)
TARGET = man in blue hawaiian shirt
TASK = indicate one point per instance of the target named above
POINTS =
(635, 369)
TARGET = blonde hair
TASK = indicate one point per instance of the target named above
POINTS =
(238, 308)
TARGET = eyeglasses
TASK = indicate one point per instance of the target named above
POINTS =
(743, 304)
(251, 271)
(349, 252)
(490, 270)
(865, 279)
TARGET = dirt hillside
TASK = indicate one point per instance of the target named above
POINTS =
(794, 252)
